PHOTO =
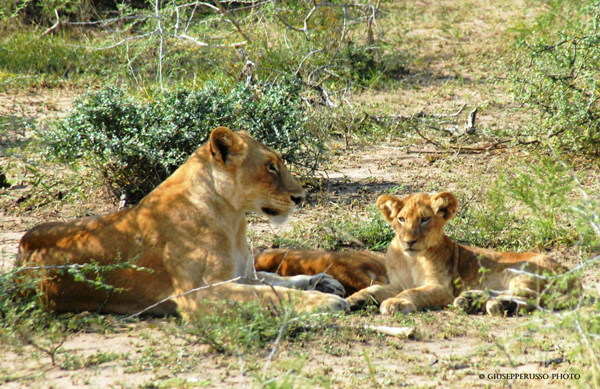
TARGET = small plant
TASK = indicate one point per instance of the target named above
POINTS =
(543, 188)
(233, 325)
(25, 319)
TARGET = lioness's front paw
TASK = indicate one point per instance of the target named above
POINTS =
(317, 301)
(325, 283)
(393, 305)
(359, 301)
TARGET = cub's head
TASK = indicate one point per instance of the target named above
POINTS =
(418, 219)
(252, 176)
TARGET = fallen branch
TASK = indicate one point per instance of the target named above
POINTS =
(431, 151)
(452, 115)
(53, 27)
(419, 114)
(459, 151)
(440, 129)
(232, 20)
(427, 139)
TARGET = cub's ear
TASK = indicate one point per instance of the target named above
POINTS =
(444, 203)
(224, 143)
(389, 206)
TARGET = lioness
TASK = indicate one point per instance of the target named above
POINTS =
(355, 270)
(427, 269)
(190, 230)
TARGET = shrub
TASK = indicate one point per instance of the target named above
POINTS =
(559, 76)
(527, 206)
(137, 144)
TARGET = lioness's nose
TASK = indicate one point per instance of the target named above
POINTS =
(411, 242)
(297, 199)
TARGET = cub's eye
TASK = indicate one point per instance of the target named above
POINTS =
(271, 167)
(425, 220)
(401, 220)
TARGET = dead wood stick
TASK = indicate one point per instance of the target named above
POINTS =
(488, 148)
(53, 27)
(431, 151)
(453, 115)
(453, 151)
(232, 20)
(419, 114)
(427, 139)
(440, 129)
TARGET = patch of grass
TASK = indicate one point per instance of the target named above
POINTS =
(26, 320)
(68, 57)
(230, 326)
(186, 44)
(365, 230)
(527, 206)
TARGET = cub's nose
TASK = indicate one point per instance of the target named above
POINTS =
(411, 242)
(297, 199)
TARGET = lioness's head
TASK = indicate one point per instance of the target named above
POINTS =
(253, 176)
(418, 219)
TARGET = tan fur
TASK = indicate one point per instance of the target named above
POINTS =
(190, 230)
(426, 269)
(355, 270)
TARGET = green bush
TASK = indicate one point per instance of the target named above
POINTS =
(559, 76)
(528, 206)
(137, 144)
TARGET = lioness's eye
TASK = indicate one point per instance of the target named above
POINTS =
(425, 220)
(271, 167)
(401, 219)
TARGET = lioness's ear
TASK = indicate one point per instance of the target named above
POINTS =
(445, 203)
(224, 143)
(389, 206)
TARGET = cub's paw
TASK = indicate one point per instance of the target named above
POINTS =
(359, 301)
(393, 305)
(316, 301)
(471, 301)
(325, 283)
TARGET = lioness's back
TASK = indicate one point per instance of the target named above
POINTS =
(62, 234)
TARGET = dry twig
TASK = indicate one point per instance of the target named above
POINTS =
(53, 27)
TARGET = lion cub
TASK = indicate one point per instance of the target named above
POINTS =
(427, 269)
